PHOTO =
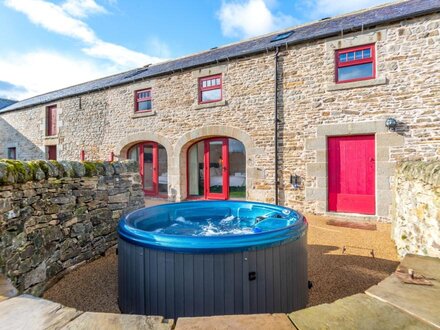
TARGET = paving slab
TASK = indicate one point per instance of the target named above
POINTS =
(418, 300)
(241, 322)
(359, 312)
(109, 321)
(29, 313)
(7, 290)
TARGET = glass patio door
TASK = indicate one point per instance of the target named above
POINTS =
(148, 162)
(216, 168)
(153, 167)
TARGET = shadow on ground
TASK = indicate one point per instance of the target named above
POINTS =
(336, 276)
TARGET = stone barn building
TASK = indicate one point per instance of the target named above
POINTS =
(314, 117)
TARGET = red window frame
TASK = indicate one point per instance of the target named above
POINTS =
(155, 178)
(210, 88)
(51, 120)
(142, 99)
(348, 63)
(206, 170)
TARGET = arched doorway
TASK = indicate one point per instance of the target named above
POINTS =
(153, 167)
(217, 169)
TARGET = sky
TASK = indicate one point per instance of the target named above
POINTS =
(47, 45)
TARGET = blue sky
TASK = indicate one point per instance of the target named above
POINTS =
(47, 45)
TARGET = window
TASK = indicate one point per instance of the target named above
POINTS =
(281, 36)
(51, 152)
(12, 153)
(357, 63)
(51, 121)
(210, 89)
(143, 100)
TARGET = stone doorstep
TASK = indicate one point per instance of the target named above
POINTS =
(352, 224)
(241, 322)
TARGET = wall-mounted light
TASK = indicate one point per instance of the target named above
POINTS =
(391, 124)
(295, 181)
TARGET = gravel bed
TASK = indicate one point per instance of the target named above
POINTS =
(335, 273)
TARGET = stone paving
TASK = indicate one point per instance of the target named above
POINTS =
(32, 313)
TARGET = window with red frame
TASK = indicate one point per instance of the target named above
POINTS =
(143, 100)
(356, 63)
(210, 89)
(51, 121)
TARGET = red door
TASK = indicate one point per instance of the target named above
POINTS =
(351, 174)
(216, 163)
(51, 152)
(148, 162)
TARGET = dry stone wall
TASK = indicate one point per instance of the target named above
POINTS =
(55, 215)
(416, 220)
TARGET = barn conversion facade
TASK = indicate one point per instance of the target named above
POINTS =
(314, 117)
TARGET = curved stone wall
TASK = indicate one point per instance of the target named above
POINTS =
(55, 215)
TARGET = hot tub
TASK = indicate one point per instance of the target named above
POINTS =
(212, 258)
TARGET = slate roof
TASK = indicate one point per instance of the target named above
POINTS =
(5, 102)
(392, 12)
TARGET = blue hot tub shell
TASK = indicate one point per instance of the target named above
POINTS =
(177, 275)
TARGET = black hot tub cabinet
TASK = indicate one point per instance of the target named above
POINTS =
(212, 258)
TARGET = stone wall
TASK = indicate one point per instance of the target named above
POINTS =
(416, 219)
(311, 107)
(55, 215)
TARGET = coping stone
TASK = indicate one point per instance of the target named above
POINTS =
(110, 321)
(418, 300)
(242, 322)
(28, 312)
(359, 312)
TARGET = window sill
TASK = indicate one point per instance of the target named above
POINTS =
(357, 84)
(209, 105)
(51, 137)
(143, 114)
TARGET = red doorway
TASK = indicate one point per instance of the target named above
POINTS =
(216, 169)
(351, 174)
(152, 159)
(51, 152)
(216, 178)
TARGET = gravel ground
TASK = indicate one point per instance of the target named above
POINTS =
(93, 287)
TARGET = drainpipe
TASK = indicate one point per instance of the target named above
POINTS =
(276, 126)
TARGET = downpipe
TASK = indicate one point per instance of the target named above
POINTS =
(277, 51)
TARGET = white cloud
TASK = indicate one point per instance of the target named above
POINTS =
(120, 55)
(324, 8)
(42, 71)
(83, 8)
(53, 18)
(250, 18)
(62, 21)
